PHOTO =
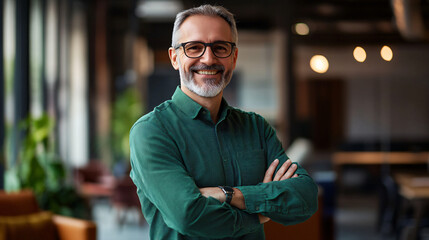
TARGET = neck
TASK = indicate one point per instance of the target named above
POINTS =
(211, 103)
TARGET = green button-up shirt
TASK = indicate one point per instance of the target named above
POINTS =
(177, 149)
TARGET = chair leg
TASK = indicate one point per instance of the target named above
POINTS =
(120, 216)
(388, 206)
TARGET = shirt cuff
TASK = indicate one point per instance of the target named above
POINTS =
(254, 198)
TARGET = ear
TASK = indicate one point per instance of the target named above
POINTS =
(234, 57)
(173, 58)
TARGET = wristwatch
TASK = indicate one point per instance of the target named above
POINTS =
(229, 192)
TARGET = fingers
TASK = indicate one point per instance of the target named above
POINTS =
(283, 170)
(290, 172)
(286, 171)
(270, 171)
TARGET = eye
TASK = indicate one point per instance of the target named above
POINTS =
(194, 47)
(221, 47)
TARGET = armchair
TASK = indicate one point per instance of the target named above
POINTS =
(94, 180)
(20, 217)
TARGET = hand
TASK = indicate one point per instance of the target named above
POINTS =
(214, 192)
(263, 219)
(286, 171)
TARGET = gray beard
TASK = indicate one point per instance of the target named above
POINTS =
(209, 89)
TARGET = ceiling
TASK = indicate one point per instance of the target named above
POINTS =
(331, 22)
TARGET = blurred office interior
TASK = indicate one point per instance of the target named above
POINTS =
(345, 83)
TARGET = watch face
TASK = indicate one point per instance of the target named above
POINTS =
(229, 189)
(229, 192)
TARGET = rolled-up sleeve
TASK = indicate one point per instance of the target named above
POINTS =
(289, 201)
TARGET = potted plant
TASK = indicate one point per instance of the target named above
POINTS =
(39, 168)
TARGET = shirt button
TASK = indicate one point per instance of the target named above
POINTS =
(257, 208)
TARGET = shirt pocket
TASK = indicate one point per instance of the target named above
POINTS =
(252, 165)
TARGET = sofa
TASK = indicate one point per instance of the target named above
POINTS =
(21, 218)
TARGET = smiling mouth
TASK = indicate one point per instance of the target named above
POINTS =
(207, 72)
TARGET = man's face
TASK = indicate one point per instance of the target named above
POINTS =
(208, 75)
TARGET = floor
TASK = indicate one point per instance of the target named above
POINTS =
(355, 218)
(108, 227)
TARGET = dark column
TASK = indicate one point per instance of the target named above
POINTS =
(102, 84)
(21, 73)
(288, 100)
(291, 75)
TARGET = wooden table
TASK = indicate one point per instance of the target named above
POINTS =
(414, 187)
(339, 159)
(368, 158)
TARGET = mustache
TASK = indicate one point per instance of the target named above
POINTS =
(206, 67)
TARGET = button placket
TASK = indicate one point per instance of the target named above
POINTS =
(229, 175)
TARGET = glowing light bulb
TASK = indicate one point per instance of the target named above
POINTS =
(302, 29)
(359, 54)
(386, 53)
(319, 63)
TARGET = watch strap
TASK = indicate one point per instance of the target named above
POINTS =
(229, 192)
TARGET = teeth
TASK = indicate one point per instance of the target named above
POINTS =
(207, 72)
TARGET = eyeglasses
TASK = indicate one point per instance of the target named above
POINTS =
(195, 49)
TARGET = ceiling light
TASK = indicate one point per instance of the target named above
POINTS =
(158, 9)
(302, 29)
(386, 53)
(359, 54)
(319, 64)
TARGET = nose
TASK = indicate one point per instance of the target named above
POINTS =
(208, 57)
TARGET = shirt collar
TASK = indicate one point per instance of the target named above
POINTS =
(224, 110)
(192, 108)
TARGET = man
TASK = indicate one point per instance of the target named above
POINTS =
(188, 150)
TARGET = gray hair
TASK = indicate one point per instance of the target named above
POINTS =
(205, 10)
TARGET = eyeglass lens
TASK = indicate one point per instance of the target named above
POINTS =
(219, 49)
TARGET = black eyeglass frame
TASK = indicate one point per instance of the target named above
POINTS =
(205, 47)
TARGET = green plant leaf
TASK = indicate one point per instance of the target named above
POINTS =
(127, 109)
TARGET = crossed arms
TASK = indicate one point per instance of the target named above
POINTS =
(286, 171)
